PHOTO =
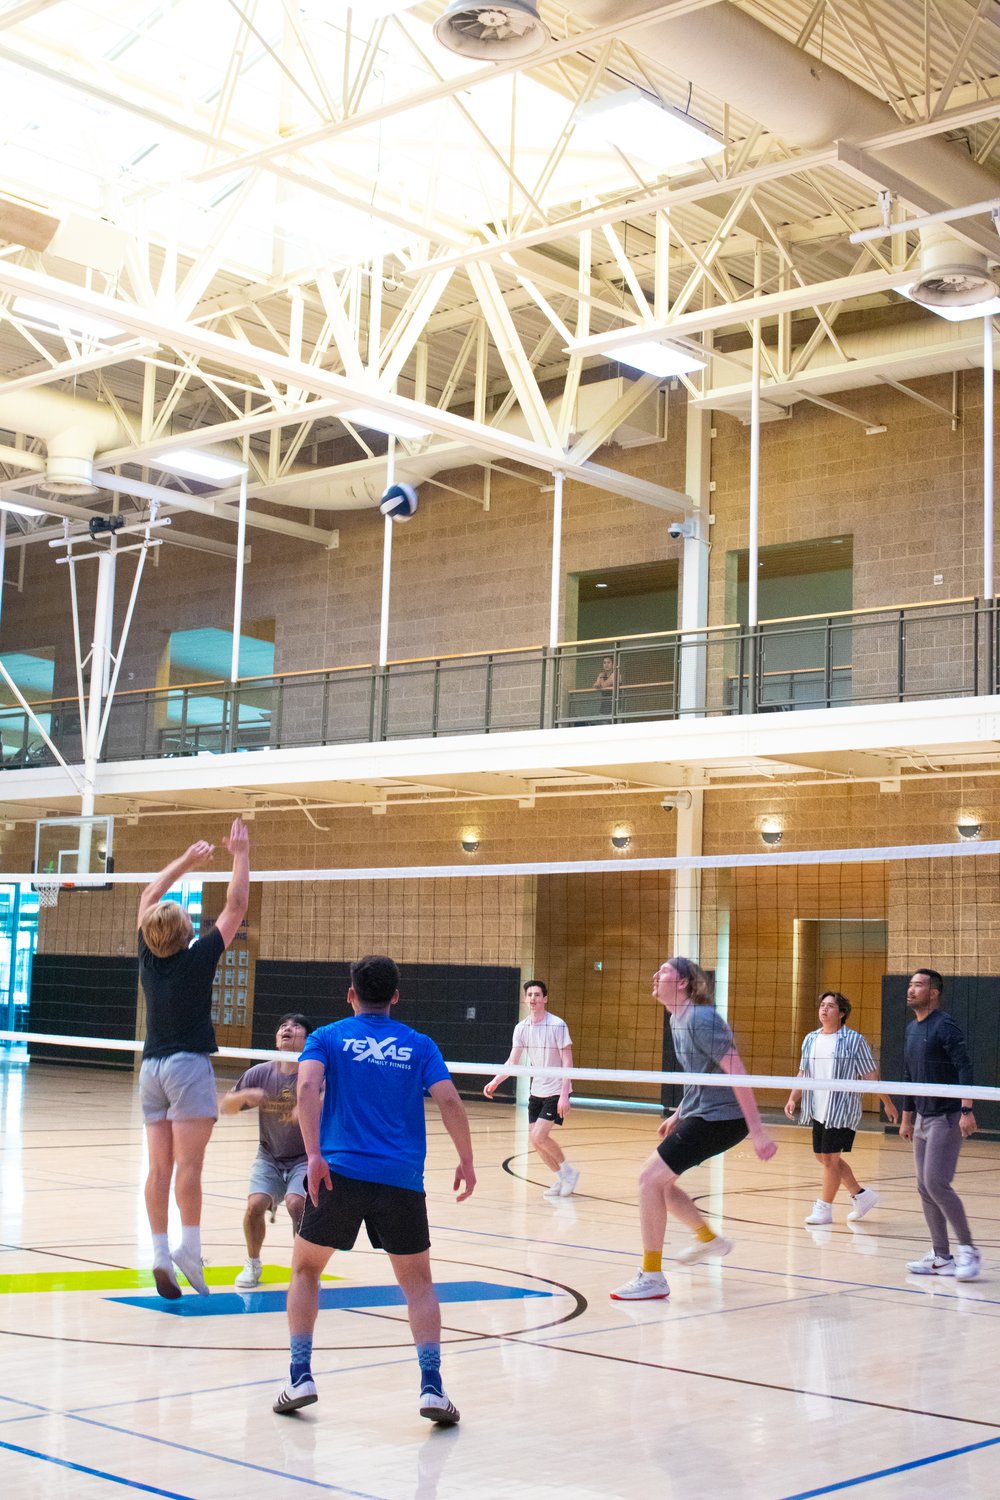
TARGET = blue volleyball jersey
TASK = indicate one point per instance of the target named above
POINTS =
(372, 1127)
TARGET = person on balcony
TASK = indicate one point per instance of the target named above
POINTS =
(605, 683)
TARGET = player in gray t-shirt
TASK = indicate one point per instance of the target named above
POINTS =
(708, 1121)
(278, 1173)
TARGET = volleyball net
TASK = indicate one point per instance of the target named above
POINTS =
(773, 931)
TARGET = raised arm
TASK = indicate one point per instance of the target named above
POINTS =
(762, 1143)
(193, 858)
(238, 894)
(456, 1122)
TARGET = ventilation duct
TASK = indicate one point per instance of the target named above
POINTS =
(952, 273)
(491, 32)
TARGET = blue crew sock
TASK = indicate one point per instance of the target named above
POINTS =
(302, 1349)
(429, 1356)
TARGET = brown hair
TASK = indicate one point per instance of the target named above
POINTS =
(699, 988)
(841, 1001)
(166, 928)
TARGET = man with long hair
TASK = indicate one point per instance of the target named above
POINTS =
(708, 1121)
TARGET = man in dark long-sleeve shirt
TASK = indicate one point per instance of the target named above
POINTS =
(935, 1052)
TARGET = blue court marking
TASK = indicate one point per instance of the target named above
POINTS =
(916, 1463)
(227, 1304)
(64, 1463)
(237, 1463)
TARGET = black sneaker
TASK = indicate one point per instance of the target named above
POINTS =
(302, 1393)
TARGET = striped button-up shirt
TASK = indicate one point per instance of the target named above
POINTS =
(852, 1059)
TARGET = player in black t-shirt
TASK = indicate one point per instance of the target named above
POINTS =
(176, 1080)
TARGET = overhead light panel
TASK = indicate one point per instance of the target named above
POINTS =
(959, 313)
(639, 125)
(20, 510)
(663, 360)
(199, 463)
(90, 326)
(362, 10)
(380, 421)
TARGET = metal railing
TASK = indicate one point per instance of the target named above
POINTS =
(946, 649)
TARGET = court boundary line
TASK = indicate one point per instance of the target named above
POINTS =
(65, 1463)
(915, 1463)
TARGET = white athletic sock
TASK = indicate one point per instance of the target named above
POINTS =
(161, 1250)
(191, 1239)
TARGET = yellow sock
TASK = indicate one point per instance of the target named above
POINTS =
(652, 1260)
(705, 1234)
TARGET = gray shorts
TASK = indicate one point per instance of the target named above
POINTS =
(178, 1087)
(275, 1182)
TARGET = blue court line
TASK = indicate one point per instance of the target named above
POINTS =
(228, 1304)
(64, 1463)
(916, 1463)
(237, 1463)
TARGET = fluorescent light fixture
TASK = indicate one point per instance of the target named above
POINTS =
(379, 421)
(655, 359)
(88, 324)
(641, 126)
(363, 10)
(199, 463)
(977, 311)
(20, 510)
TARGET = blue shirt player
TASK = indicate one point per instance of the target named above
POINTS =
(361, 1086)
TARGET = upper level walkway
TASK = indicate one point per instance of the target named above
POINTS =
(935, 650)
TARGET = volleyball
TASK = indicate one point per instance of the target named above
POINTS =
(399, 502)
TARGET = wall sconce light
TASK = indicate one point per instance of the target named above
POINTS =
(968, 827)
(621, 836)
(470, 840)
(771, 832)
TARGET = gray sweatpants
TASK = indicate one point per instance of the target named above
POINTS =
(937, 1141)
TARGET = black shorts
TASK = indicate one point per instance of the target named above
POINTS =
(544, 1109)
(395, 1218)
(827, 1140)
(696, 1139)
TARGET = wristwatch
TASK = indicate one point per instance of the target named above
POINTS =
(967, 1109)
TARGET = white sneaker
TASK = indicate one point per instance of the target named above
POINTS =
(438, 1409)
(250, 1275)
(968, 1262)
(554, 1189)
(645, 1286)
(822, 1213)
(166, 1282)
(704, 1250)
(568, 1179)
(191, 1268)
(863, 1203)
(304, 1393)
(932, 1265)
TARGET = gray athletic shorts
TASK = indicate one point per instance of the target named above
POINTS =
(178, 1087)
(274, 1181)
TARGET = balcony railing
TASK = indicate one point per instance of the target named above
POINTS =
(917, 651)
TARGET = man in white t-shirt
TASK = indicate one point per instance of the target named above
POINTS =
(542, 1041)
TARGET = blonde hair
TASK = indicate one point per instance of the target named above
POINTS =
(699, 988)
(166, 929)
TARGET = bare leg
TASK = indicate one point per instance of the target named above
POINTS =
(159, 1136)
(295, 1205)
(547, 1148)
(254, 1222)
(830, 1162)
(654, 1182)
(190, 1139)
(413, 1272)
(847, 1178)
(308, 1264)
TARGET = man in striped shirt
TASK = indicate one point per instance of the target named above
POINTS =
(834, 1050)
(543, 1041)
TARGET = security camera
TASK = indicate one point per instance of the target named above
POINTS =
(675, 800)
(675, 530)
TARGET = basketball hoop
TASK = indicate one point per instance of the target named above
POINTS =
(47, 892)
